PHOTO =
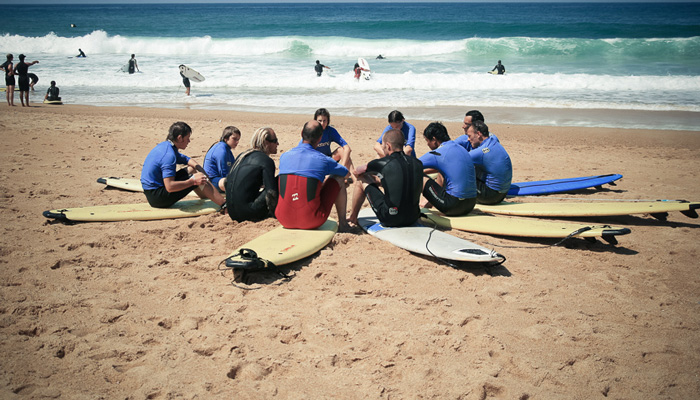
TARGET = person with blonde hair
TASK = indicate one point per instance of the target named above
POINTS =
(219, 158)
(251, 185)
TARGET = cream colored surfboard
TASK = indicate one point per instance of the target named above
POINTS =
(522, 227)
(131, 184)
(659, 209)
(133, 212)
(282, 246)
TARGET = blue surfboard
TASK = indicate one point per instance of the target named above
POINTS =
(561, 185)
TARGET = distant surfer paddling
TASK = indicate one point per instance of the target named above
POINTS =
(500, 68)
(81, 54)
(319, 68)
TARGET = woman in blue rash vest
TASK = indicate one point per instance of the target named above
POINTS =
(251, 186)
(397, 121)
(220, 159)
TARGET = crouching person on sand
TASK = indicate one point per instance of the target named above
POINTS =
(163, 184)
(251, 186)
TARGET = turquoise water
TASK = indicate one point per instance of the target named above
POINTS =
(568, 56)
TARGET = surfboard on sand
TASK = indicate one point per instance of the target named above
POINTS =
(130, 184)
(524, 227)
(561, 185)
(367, 72)
(425, 240)
(191, 74)
(133, 212)
(282, 246)
(658, 209)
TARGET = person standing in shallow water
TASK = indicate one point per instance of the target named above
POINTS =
(500, 67)
(22, 70)
(9, 68)
(133, 65)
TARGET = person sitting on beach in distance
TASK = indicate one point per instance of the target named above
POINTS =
(162, 184)
(319, 68)
(500, 67)
(81, 54)
(22, 70)
(133, 65)
(456, 192)
(469, 118)
(251, 186)
(397, 121)
(52, 94)
(185, 81)
(219, 159)
(494, 170)
(331, 135)
(401, 177)
(306, 195)
(9, 68)
(33, 79)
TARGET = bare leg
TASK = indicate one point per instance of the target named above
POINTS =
(207, 191)
(341, 204)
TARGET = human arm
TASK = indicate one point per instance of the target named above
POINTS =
(410, 139)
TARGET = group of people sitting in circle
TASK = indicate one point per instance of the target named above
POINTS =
(453, 176)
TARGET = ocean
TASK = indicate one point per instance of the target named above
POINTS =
(567, 64)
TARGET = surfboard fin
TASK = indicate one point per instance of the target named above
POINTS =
(662, 216)
(610, 239)
(690, 212)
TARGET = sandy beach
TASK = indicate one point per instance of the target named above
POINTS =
(139, 309)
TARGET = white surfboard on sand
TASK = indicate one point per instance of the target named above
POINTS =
(191, 74)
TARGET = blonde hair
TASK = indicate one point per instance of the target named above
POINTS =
(257, 141)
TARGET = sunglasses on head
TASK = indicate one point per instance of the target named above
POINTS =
(275, 141)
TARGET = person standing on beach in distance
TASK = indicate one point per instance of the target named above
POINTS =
(331, 135)
(500, 67)
(133, 65)
(185, 81)
(319, 68)
(306, 195)
(401, 177)
(81, 54)
(219, 159)
(22, 70)
(162, 184)
(33, 79)
(52, 94)
(9, 68)
(397, 121)
(456, 192)
(494, 170)
(251, 186)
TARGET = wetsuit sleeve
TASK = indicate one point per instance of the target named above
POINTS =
(268, 175)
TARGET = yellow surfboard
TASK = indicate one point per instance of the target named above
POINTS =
(658, 209)
(133, 212)
(522, 227)
(282, 246)
(130, 184)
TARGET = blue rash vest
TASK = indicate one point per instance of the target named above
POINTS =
(409, 134)
(305, 161)
(330, 135)
(464, 142)
(493, 165)
(218, 162)
(161, 163)
(455, 164)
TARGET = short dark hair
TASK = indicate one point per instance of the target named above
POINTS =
(310, 134)
(395, 138)
(476, 115)
(178, 129)
(481, 127)
(436, 130)
(396, 116)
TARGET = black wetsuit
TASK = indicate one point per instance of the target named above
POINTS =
(9, 79)
(500, 68)
(22, 70)
(402, 179)
(132, 65)
(319, 69)
(185, 80)
(33, 78)
(53, 93)
(244, 199)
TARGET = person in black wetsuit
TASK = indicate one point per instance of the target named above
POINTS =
(9, 68)
(33, 79)
(52, 93)
(22, 70)
(500, 67)
(81, 54)
(251, 185)
(186, 82)
(319, 68)
(133, 65)
(401, 179)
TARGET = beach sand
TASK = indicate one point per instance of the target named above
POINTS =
(139, 310)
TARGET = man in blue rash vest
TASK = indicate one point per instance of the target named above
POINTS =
(494, 170)
(401, 178)
(162, 184)
(397, 121)
(251, 186)
(306, 196)
(469, 118)
(457, 193)
(219, 159)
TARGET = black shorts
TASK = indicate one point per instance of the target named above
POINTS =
(23, 83)
(445, 202)
(388, 216)
(186, 82)
(10, 80)
(161, 198)
(486, 195)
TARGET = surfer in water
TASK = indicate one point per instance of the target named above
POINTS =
(454, 193)
(163, 184)
(400, 177)
(219, 159)
(397, 121)
(251, 186)
(52, 94)
(319, 68)
(358, 71)
(185, 81)
(33, 79)
(81, 54)
(500, 68)
(133, 65)
(310, 184)
(494, 169)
